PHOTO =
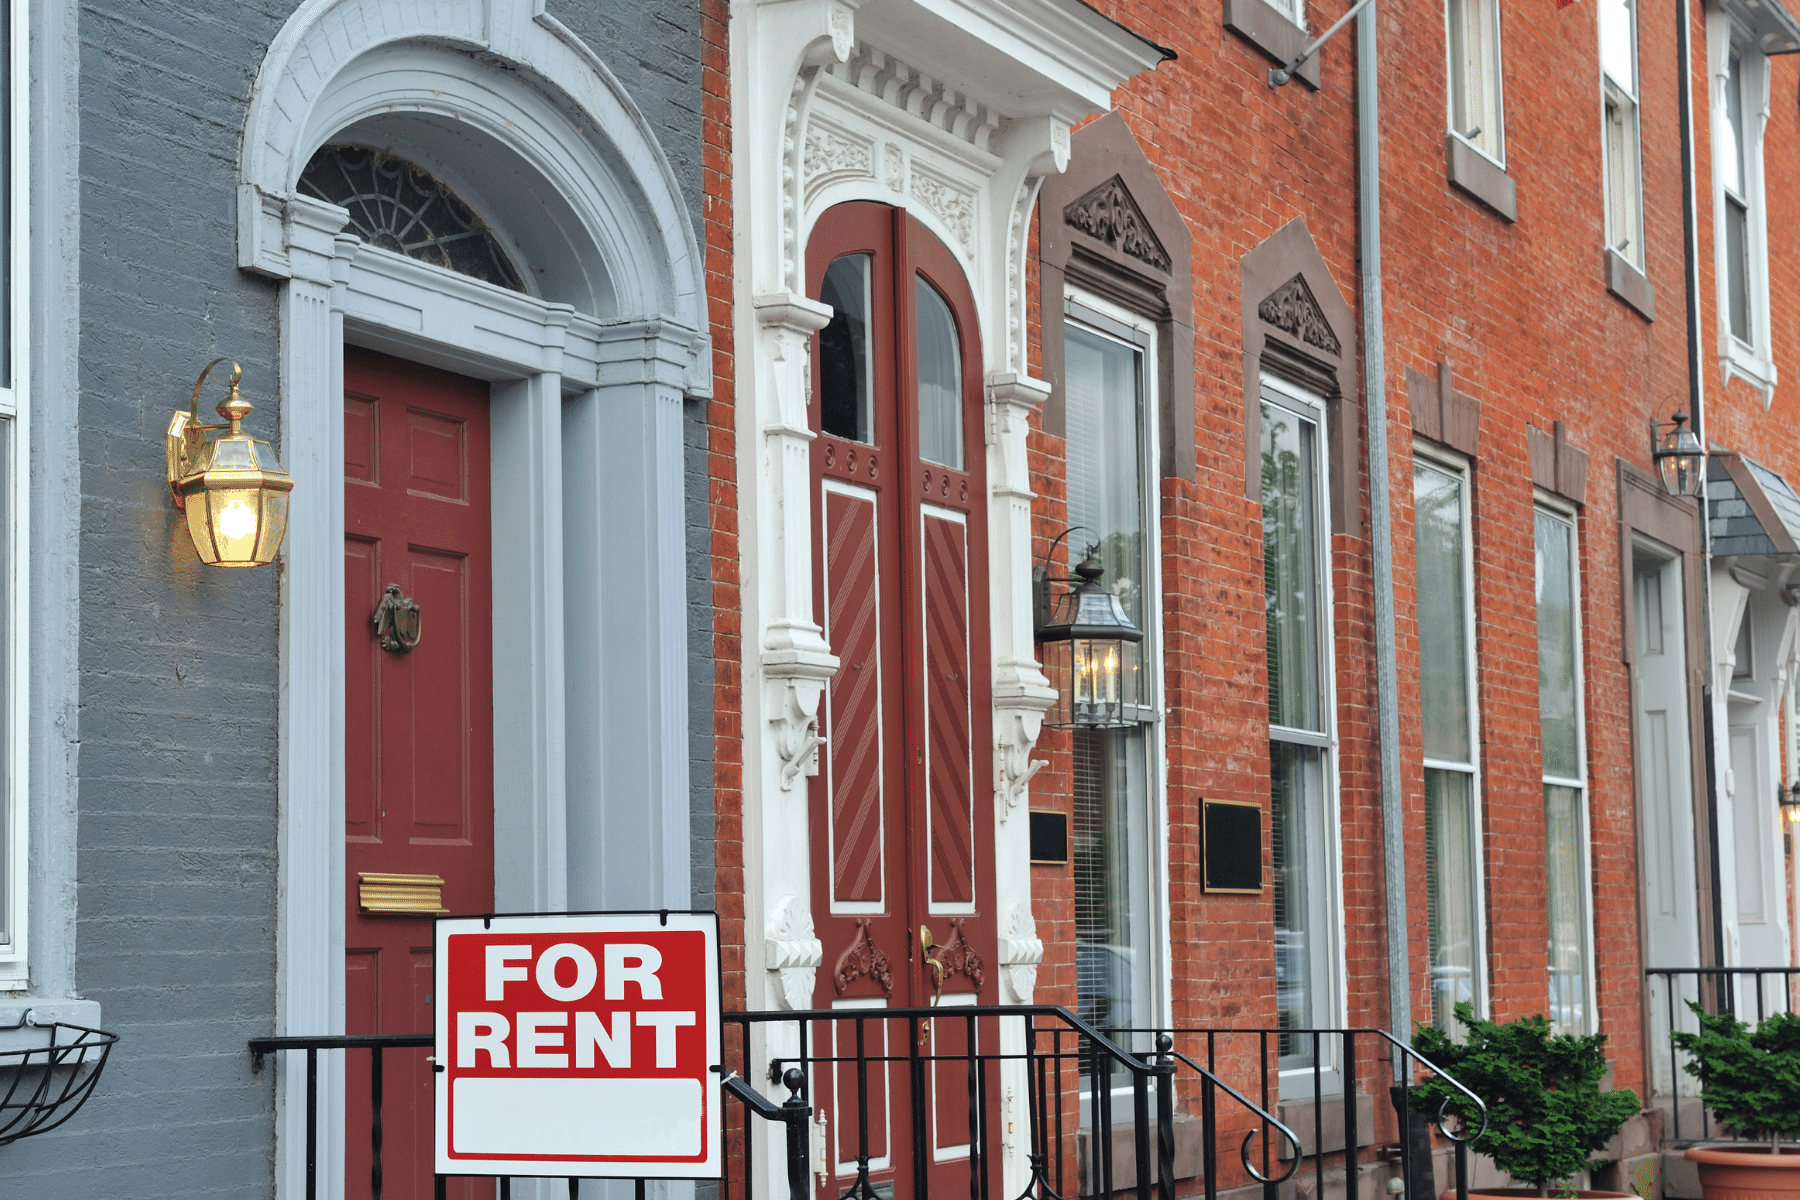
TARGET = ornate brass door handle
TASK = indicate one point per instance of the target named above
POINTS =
(928, 951)
(397, 620)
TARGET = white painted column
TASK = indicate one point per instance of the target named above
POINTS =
(310, 905)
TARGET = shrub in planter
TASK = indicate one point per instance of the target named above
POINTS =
(1546, 1111)
(1749, 1078)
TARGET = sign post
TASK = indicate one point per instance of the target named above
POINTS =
(579, 1045)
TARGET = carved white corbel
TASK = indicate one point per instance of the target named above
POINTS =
(1013, 765)
(794, 709)
(791, 953)
(1021, 950)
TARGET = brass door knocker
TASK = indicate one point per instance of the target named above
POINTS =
(398, 621)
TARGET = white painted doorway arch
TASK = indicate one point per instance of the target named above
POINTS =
(589, 366)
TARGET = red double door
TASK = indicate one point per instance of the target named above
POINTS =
(418, 731)
(902, 808)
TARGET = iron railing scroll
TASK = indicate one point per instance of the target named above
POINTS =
(1332, 1061)
(1752, 993)
(43, 1086)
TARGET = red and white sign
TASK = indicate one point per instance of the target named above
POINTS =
(579, 1045)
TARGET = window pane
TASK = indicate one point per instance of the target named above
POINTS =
(1618, 43)
(1450, 891)
(1558, 680)
(1290, 567)
(1297, 834)
(1731, 154)
(1737, 268)
(6, 153)
(1623, 187)
(1475, 73)
(1443, 612)
(1567, 893)
(940, 379)
(1105, 421)
(1112, 902)
(846, 369)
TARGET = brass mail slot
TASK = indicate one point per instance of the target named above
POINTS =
(383, 895)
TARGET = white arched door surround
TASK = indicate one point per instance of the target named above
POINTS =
(589, 370)
(954, 111)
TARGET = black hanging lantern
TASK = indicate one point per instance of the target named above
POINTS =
(1679, 455)
(1789, 800)
(1091, 652)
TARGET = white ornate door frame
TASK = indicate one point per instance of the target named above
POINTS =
(587, 460)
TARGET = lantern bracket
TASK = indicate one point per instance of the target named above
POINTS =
(1042, 606)
(187, 434)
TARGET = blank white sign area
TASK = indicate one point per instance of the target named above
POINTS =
(585, 1118)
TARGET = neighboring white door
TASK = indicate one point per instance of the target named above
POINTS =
(1665, 787)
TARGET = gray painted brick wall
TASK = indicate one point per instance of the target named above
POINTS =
(176, 858)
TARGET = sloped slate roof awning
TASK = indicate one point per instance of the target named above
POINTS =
(1752, 511)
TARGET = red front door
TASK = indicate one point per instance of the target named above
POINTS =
(418, 729)
(901, 810)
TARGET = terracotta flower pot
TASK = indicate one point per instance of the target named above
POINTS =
(1514, 1193)
(1750, 1173)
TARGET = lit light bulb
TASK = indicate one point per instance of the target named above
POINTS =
(237, 521)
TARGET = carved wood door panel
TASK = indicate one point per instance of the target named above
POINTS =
(900, 811)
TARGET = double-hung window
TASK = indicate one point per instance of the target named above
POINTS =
(1473, 30)
(1740, 109)
(1108, 369)
(1302, 724)
(14, 443)
(1734, 173)
(1566, 870)
(1447, 701)
(1619, 107)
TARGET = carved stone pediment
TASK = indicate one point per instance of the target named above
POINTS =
(1293, 309)
(1108, 214)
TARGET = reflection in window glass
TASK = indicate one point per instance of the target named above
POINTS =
(1565, 800)
(1618, 43)
(1475, 74)
(940, 379)
(1290, 568)
(846, 369)
(1105, 430)
(6, 153)
(1443, 612)
(1104, 384)
(1299, 766)
(1732, 161)
(1450, 895)
(1300, 874)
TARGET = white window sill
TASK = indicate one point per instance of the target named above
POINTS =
(1746, 364)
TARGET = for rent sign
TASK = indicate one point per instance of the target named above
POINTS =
(579, 1045)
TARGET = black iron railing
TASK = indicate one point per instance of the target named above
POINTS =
(1321, 1069)
(901, 1076)
(1751, 993)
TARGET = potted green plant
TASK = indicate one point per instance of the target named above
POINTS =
(1750, 1079)
(1546, 1111)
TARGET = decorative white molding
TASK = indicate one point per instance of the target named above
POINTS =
(833, 153)
(896, 168)
(1013, 766)
(791, 953)
(954, 206)
(1021, 950)
(794, 714)
(911, 91)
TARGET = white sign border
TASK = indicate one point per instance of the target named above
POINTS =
(633, 921)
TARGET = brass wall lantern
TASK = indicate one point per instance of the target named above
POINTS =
(1679, 455)
(232, 490)
(1090, 648)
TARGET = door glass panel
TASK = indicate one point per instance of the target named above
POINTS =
(846, 369)
(1290, 568)
(940, 379)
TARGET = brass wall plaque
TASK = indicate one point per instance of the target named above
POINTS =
(380, 894)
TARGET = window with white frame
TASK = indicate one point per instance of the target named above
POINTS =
(1443, 553)
(1473, 34)
(1619, 108)
(1740, 110)
(14, 443)
(1566, 870)
(1303, 829)
(1108, 369)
